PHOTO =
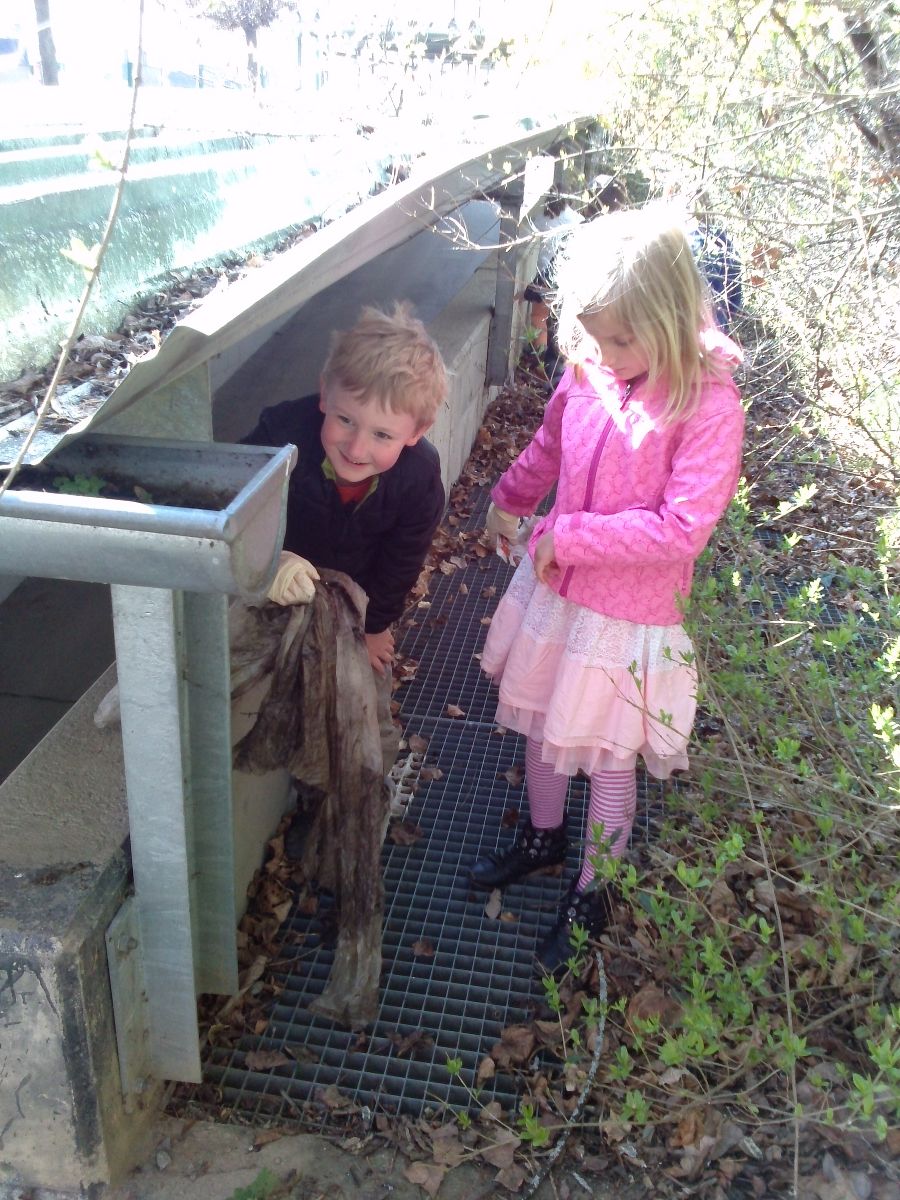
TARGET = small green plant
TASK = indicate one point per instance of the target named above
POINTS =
(530, 1129)
(266, 1184)
(80, 485)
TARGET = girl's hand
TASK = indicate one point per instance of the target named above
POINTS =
(545, 564)
(381, 650)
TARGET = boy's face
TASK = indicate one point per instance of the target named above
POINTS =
(362, 439)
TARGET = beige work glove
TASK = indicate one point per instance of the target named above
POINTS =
(500, 524)
(294, 580)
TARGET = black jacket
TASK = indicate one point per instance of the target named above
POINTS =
(381, 542)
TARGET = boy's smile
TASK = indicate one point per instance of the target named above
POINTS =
(362, 439)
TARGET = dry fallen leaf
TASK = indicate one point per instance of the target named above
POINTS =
(423, 948)
(266, 1136)
(446, 1147)
(515, 1048)
(649, 1002)
(417, 744)
(429, 774)
(332, 1098)
(302, 1053)
(845, 964)
(515, 776)
(405, 833)
(491, 1114)
(511, 1178)
(486, 1070)
(453, 710)
(722, 900)
(503, 1151)
(429, 1176)
(265, 1060)
(697, 1122)
(410, 1042)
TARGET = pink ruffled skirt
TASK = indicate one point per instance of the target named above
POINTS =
(594, 689)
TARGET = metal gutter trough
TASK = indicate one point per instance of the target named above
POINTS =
(172, 566)
(201, 516)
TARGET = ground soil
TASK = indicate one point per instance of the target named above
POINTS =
(205, 1161)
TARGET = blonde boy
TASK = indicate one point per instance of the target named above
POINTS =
(366, 495)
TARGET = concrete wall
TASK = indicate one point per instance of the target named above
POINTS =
(462, 333)
(63, 876)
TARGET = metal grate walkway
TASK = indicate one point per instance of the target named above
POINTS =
(453, 977)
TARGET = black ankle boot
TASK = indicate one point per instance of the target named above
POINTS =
(532, 850)
(592, 910)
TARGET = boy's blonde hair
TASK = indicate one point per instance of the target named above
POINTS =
(392, 359)
(638, 265)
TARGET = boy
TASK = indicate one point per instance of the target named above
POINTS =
(365, 496)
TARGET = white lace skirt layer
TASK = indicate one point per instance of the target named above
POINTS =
(594, 689)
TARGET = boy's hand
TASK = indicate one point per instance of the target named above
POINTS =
(545, 564)
(294, 580)
(381, 650)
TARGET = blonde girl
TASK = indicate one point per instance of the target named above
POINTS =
(642, 440)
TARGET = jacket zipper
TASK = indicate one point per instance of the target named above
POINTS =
(592, 474)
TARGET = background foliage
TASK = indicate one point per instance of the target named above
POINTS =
(754, 1045)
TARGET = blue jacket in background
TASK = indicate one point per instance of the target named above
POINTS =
(720, 266)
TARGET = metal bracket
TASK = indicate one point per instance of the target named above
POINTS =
(129, 996)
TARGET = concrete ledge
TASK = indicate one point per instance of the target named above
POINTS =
(64, 874)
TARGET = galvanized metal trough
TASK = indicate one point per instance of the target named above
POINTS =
(201, 516)
(171, 567)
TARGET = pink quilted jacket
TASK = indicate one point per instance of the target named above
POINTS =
(636, 500)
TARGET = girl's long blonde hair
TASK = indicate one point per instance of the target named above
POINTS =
(638, 265)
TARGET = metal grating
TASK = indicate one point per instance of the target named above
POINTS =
(480, 976)
(458, 998)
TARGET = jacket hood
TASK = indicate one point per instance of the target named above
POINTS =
(720, 346)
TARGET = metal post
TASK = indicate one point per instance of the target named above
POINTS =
(174, 695)
(500, 334)
(207, 674)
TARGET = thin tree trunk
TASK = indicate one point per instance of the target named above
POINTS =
(49, 65)
(252, 63)
(878, 78)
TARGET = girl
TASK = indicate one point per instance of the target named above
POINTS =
(642, 439)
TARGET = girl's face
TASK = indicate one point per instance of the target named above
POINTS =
(620, 350)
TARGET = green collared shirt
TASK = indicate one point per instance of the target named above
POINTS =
(329, 472)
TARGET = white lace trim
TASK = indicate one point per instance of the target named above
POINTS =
(591, 637)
